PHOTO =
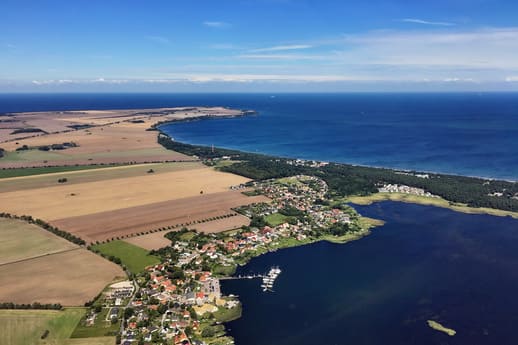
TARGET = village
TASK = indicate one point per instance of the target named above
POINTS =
(394, 188)
(179, 301)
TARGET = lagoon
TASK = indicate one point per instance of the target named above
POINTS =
(425, 263)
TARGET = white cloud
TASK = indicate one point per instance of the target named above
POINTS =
(79, 81)
(511, 79)
(158, 39)
(283, 56)
(282, 47)
(458, 80)
(483, 48)
(53, 82)
(214, 24)
(426, 22)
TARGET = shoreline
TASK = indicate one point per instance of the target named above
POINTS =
(394, 169)
(428, 201)
(409, 198)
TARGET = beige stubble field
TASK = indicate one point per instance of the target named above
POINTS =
(65, 201)
(38, 266)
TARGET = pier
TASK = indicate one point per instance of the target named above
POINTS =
(267, 279)
(252, 276)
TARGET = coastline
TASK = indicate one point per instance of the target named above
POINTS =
(423, 200)
(364, 200)
(392, 168)
(365, 223)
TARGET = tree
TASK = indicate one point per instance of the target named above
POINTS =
(128, 312)
(208, 332)
(257, 222)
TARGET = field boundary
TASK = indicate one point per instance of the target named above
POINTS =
(39, 256)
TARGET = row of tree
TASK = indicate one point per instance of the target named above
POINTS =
(35, 305)
(41, 223)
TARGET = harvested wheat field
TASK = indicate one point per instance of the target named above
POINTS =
(64, 201)
(111, 136)
(151, 241)
(98, 145)
(70, 278)
(21, 241)
(157, 240)
(220, 225)
(118, 223)
(92, 175)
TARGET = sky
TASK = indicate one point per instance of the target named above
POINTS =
(258, 45)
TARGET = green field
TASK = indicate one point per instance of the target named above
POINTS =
(276, 219)
(100, 328)
(46, 177)
(91, 341)
(25, 327)
(136, 259)
(227, 315)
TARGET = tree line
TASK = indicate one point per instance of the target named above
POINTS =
(35, 305)
(44, 225)
(346, 179)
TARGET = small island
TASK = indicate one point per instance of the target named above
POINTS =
(438, 327)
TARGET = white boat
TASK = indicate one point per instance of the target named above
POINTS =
(269, 279)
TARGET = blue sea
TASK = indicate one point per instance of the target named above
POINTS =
(459, 133)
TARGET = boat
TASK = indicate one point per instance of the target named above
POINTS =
(269, 279)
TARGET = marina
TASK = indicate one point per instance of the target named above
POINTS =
(267, 279)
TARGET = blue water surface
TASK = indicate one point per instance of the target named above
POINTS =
(425, 263)
(460, 133)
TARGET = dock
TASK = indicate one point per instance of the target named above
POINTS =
(251, 276)
(267, 279)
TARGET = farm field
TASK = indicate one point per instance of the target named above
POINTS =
(36, 158)
(124, 222)
(153, 241)
(100, 328)
(276, 219)
(21, 241)
(8, 173)
(220, 225)
(157, 240)
(70, 278)
(87, 175)
(90, 341)
(25, 327)
(113, 136)
(136, 259)
(64, 201)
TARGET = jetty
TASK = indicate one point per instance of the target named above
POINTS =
(250, 276)
(267, 279)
